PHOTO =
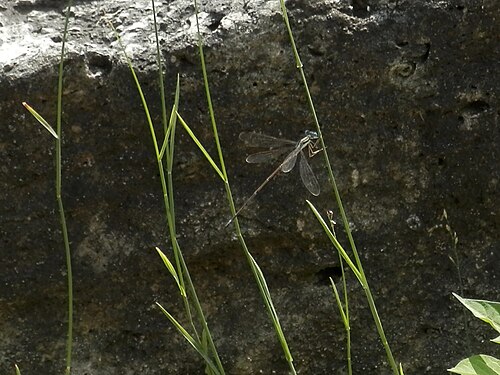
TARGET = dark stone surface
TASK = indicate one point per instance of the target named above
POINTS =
(407, 93)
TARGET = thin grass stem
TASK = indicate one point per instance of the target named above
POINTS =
(343, 308)
(256, 271)
(167, 150)
(345, 222)
(58, 187)
(62, 216)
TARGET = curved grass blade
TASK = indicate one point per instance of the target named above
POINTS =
(41, 120)
(339, 303)
(172, 271)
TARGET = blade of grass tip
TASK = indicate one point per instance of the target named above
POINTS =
(265, 289)
(40, 119)
(401, 369)
(339, 302)
(189, 338)
(200, 146)
(172, 270)
(18, 372)
(337, 245)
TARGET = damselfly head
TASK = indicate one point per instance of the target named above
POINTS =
(311, 134)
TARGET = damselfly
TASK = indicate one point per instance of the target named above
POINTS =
(278, 147)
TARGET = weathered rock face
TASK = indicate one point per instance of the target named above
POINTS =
(407, 93)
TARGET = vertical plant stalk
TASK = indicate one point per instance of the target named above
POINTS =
(168, 189)
(167, 150)
(62, 216)
(455, 260)
(345, 222)
(343, 307)
(256, 271)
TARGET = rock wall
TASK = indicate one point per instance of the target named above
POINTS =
(408, 97)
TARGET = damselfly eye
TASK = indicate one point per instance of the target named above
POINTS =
(311, 134)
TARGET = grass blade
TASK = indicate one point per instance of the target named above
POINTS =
(41, 120)
(172, 271)
(189, 339)
(257, 273)
(336, 243)
(200, 146)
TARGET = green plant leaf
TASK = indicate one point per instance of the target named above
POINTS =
(172, 271)
(401, 369)
(477, 365)
(487, 311)
(339, 303)
(41, 120)
(18, 372)
(190, 339)
(334, 241)
(200, 146)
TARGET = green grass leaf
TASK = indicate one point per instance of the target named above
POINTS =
(200, 146)
(339, 303)
(334, 241)
(41, 120)
(172, 271)
(190, 339)
(477, 365)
